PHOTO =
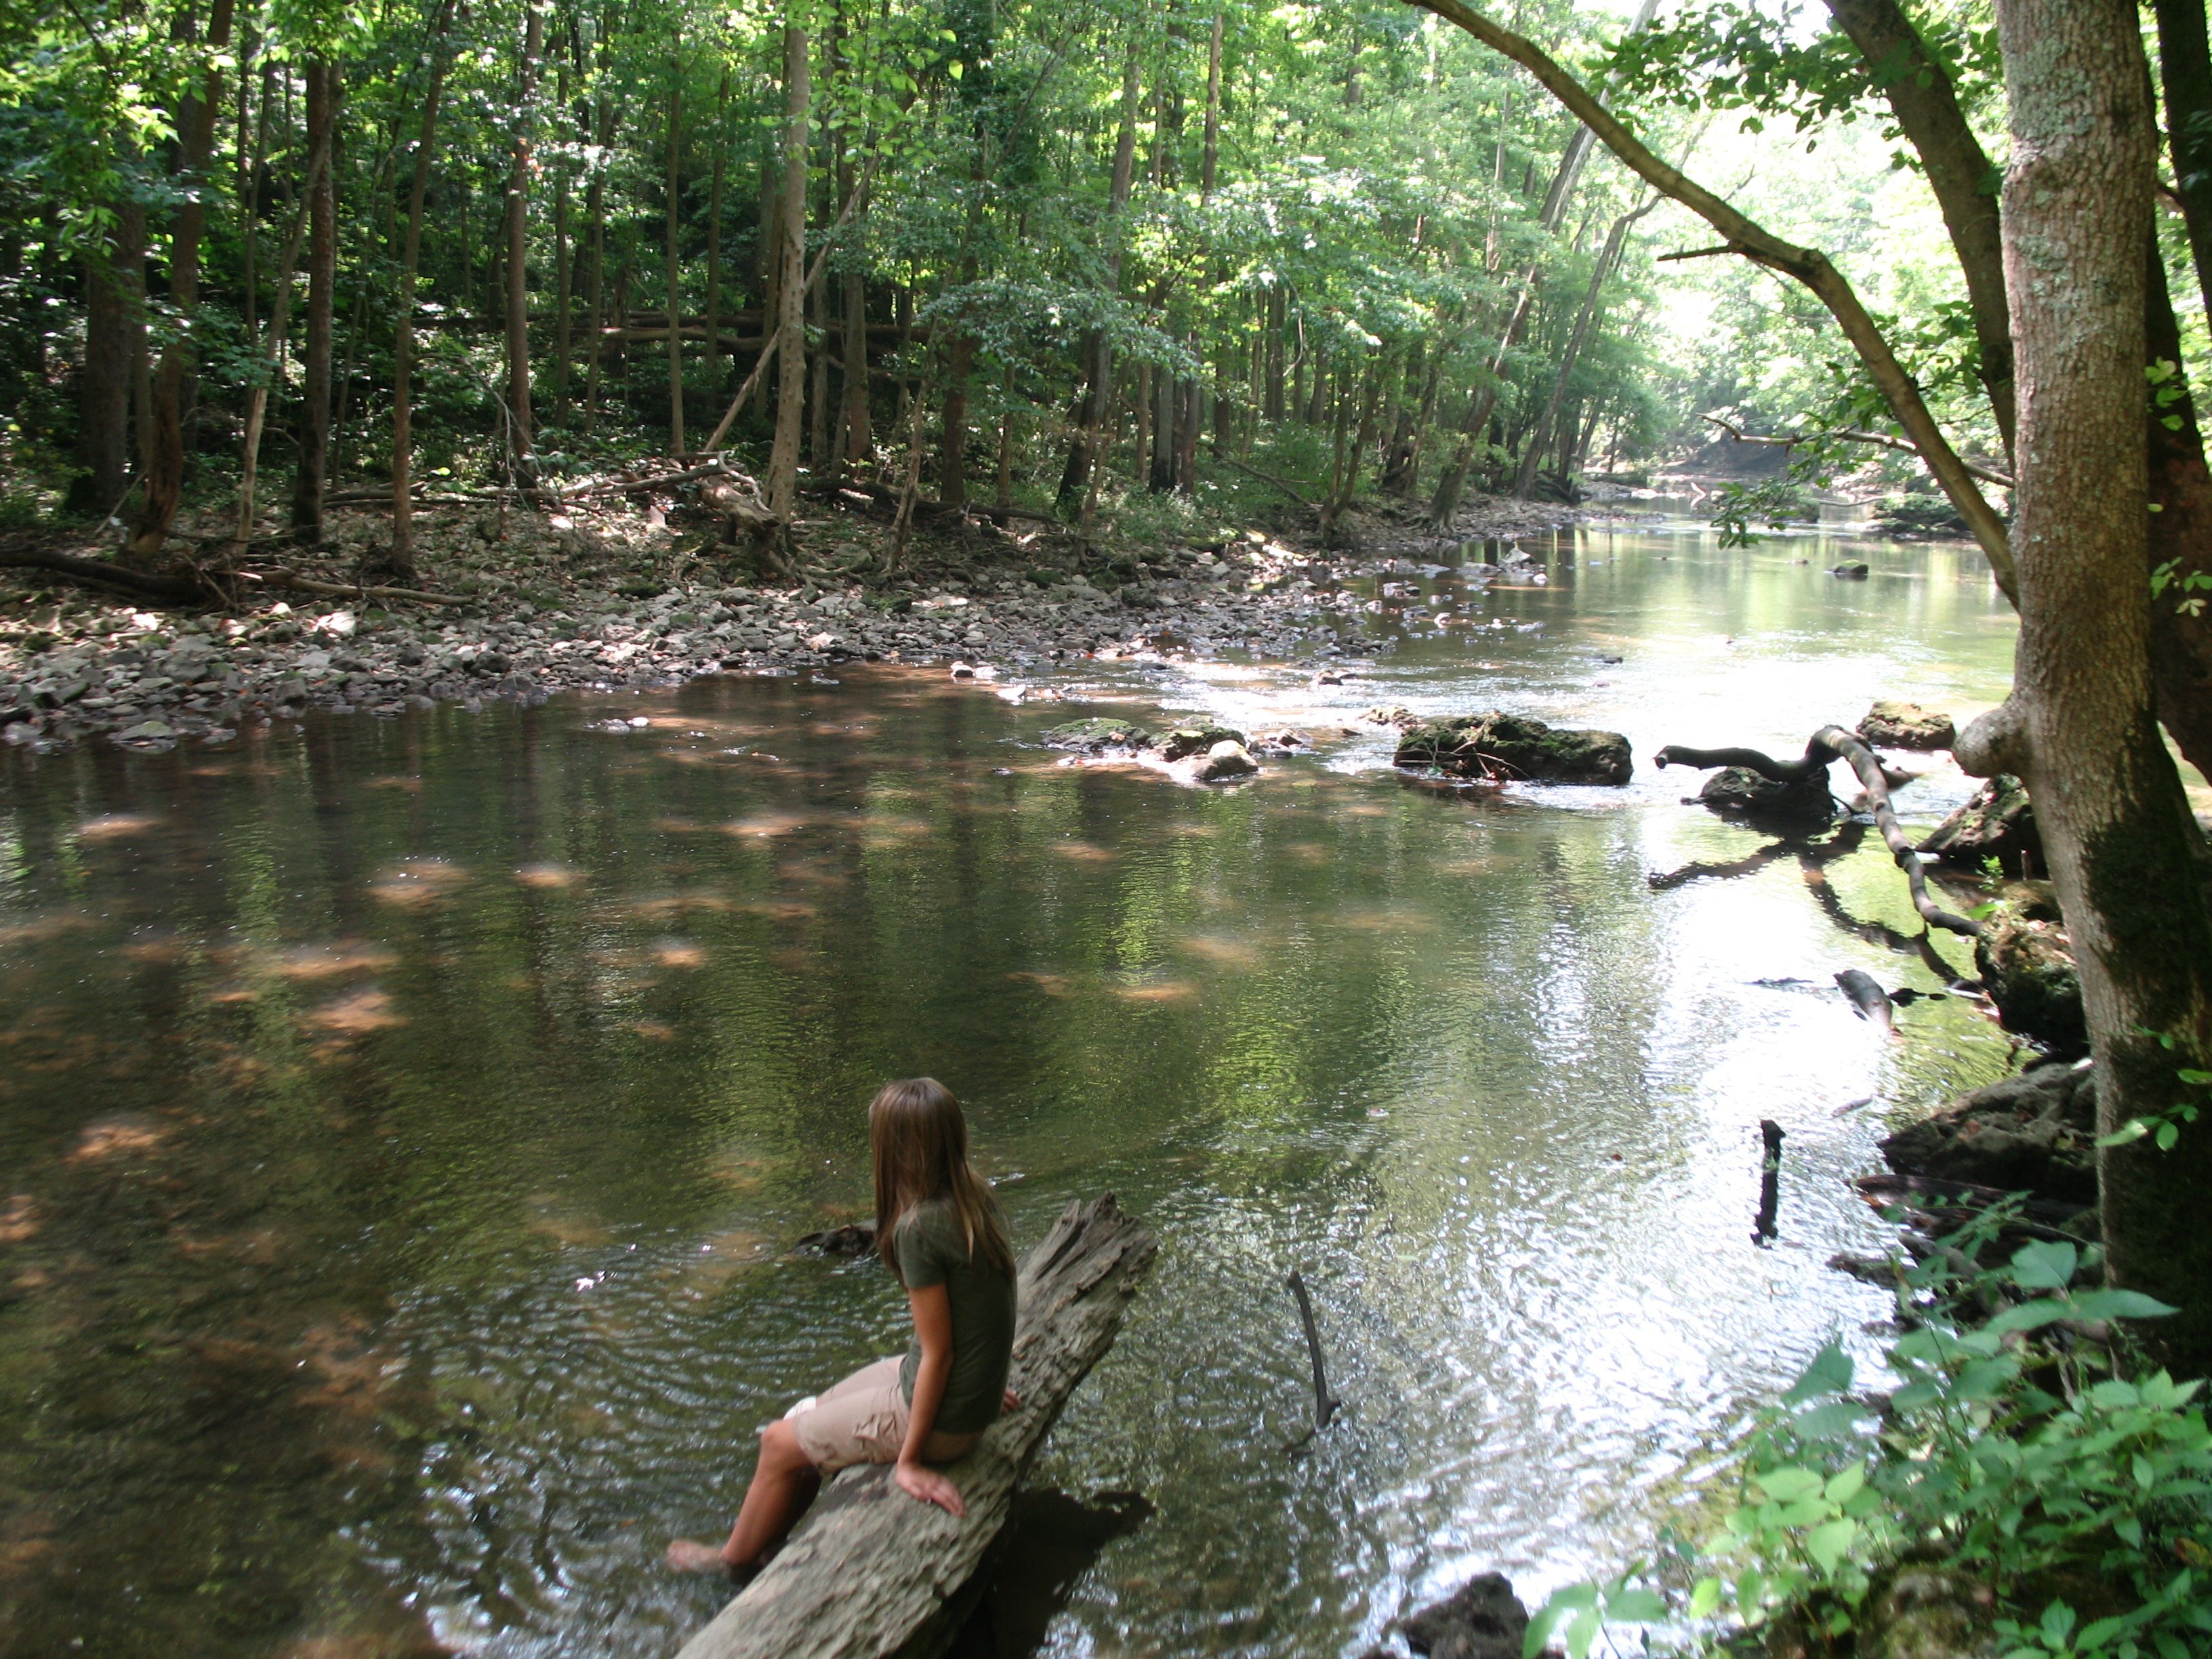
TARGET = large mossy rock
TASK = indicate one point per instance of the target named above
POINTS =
(1093, 737)
(1507, 747)
(2034, 1132)
(2026, 965)
(1907, 725)
(1481, 1619)
(1196, 740)
(1996, 823)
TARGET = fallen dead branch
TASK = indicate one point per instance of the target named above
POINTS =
(1828, 746)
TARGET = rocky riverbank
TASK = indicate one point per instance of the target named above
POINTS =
(535, 604)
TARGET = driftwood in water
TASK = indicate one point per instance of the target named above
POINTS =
(871, 1572)
(1325, 1403)
(1830, 745)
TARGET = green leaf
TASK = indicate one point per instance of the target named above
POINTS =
(1833, 1421)
(2134, 1129)
(2057, 1625)
(1705, 1598)
(1582, 1633)
(1845, 1483)
(2031, 1315)
(1828, 1543)
(2045, 1265)
(1637, 1607)
(1830, 1373)
(1787, 1486)
(2120, 1304)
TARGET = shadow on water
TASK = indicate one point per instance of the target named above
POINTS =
(1051, 1541)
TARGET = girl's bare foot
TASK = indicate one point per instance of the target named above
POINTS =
(689, 1555)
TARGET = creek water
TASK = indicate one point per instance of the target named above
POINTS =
(404, 1127)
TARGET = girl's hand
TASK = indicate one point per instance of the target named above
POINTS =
(919, 1481)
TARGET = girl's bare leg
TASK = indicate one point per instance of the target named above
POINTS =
(784, 1483)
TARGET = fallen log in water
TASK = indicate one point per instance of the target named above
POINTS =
(871, 1572)
(1830, 745)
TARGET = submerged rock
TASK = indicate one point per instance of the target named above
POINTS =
(1740, 791)
(2033, 1132)
(1507, 747)
(1907, 725)
(1226, 760)
(1997, 822)
(2026, 965)
(1481, 1619)
(1095, 736)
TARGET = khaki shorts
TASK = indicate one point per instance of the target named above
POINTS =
(862, 1420)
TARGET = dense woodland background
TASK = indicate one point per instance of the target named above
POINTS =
(1166, 260)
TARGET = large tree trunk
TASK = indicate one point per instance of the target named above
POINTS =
(114, 336)
(402, 557)
(164, 435)
(521, 435)
(2080, 726)
(791, 285)
(324, 90)
(858, 442)
(720, 149)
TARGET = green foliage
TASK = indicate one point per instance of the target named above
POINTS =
(2015, 1449)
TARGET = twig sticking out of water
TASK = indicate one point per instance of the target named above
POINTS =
(1325, 1403)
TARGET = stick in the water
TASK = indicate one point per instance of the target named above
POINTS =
(1325, 1403)
(1770, 1184)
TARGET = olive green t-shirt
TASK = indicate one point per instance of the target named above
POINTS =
(933, 1249)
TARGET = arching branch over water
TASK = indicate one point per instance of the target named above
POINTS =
(1828, 746)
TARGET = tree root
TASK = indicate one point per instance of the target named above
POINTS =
(1828, 746)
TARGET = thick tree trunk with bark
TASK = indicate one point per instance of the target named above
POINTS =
(309, 482)
(2184, 68)
(2080, 726)
(914, 1559)
(791, 283)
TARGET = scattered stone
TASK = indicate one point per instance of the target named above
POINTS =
(1097, 736)
(1283, 742)
(961, 670)
(1396, 714)
(853, 1239)
(1849, 573)
(2034, 1132)
(1997, 822)
(148, 731)
(1507, 747)
(1907, 725)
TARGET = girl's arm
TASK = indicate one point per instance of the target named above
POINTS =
(933, 1328)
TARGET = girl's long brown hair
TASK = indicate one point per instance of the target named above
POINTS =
(920, 1146)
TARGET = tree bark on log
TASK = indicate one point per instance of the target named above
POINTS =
(914, 1559)
(1830, 745)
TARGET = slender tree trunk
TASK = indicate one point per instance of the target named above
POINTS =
(595, 210)
(2185, 64)
(2079, 726)
(272, 348)
(1005, 475)
(114, 340)
(1098, 355)
(522, 433)
(1601, 273)
(325, 89)
(817, 383)
(860, 443)
(564, 299)
(1275, 331)
(791, 285)
(674, 262)
(402, 559)
(164, 428)
(718, 144)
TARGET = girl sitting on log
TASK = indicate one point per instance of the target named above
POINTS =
(940, 1232)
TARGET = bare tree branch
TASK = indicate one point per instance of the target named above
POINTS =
(1852, 434)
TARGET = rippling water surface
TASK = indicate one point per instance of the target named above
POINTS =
(403, 1126)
